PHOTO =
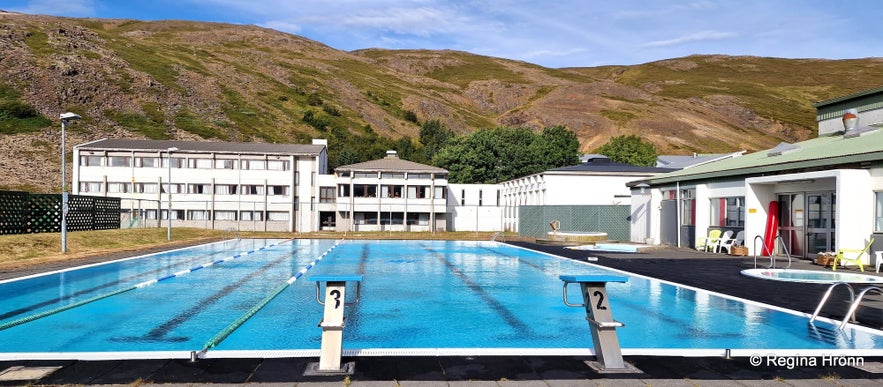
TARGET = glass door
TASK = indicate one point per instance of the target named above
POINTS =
(791, 223)
(806, 222)
(819, 222)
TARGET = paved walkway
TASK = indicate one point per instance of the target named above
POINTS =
(709, 271)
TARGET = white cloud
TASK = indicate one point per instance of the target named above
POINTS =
(73, 8)
(281, 25)
(695, 37)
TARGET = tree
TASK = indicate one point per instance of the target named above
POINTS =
(629, 149)
(560, 147)
(489, 156)
(433, 135)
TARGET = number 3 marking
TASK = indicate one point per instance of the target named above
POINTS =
(336, 294)
(600, 300)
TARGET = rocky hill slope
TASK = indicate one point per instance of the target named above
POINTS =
(208, 81)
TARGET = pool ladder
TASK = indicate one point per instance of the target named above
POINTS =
(854, 302)
(497, 234)
(772, 254)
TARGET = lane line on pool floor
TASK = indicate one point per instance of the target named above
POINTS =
(227, 331)
(60, 309)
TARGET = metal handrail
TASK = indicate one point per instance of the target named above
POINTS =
(772, 253)
(856, 303)
(828, 294)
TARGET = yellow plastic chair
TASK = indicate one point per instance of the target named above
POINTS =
(841, 256)
(710, 241)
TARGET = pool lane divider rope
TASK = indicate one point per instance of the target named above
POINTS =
(63, 308)
(226, 332)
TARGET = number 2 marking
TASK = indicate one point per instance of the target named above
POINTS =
(599, 305)
(336, 294)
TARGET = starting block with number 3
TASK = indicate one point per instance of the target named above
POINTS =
(333, 322)
(600, 317)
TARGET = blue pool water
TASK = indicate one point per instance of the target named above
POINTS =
(465, 297)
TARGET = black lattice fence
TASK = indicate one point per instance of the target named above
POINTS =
(533, 221)
(23, 213)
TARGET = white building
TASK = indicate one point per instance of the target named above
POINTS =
(819, 195)
(388, 194)
(247, 186)
(598, 181)
(474, 207)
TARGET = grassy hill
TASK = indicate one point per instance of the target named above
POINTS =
(209, 81)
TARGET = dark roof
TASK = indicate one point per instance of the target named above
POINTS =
(391, 164)
(204, 146)
(602, 165)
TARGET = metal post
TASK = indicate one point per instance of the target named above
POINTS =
(65, 117)
(63, 192)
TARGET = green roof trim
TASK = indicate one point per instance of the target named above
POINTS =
(827, 151)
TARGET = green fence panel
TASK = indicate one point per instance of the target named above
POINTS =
(534, 221)
(23, 213)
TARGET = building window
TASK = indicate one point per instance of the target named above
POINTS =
(199, 189)
(727, 212)
(480, 198)
(418, 192)
(277, 215)
(118, 187)
(197, 215)
(343, 190)
(90, 186)
(425, 176)
(177, 162)
(225, 164)
(145, 187)
(254, 164)
(119, 161)
(176, 214)
(277, 165)
(878, 212)
(440, 193)
(225, 215)
(343, 174)
(392, 218)
(392, 175)
(370, 175)
(688, 207)
(225, 189)
(365, 191)
(463, 197)
(277, 190)
(391, 191)
(200, 163)
(252, 215)
(252, 189)
(419, 219)
(147, 162)
(91, 161)
(176, 188)
(327, 195)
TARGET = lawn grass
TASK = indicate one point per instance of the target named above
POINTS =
(29, 250)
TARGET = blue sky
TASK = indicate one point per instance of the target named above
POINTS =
(559, 33)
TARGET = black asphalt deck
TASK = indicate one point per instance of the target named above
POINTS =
(716, 272)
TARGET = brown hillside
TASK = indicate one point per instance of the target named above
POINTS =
(208, 81)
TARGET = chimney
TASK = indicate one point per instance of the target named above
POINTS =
(391, 154)
(850, 119)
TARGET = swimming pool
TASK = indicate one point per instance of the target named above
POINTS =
(812, 276)
(418, 298)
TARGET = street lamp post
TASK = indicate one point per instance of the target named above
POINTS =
(169, 215)
(65, 119)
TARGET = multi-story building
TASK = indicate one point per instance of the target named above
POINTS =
(388, 194)
(248, 186)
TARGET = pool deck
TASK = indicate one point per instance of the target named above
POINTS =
(716, 272)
